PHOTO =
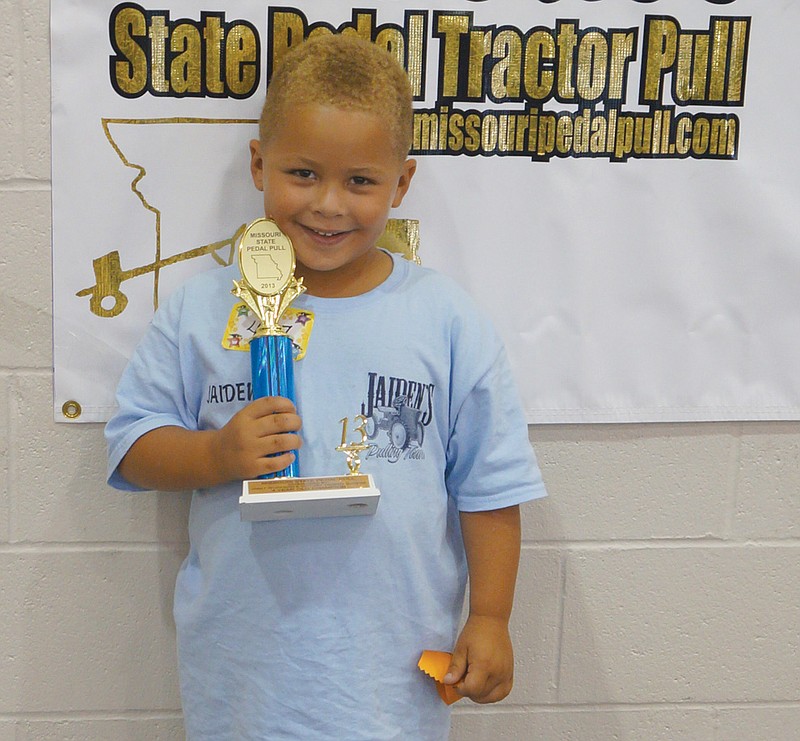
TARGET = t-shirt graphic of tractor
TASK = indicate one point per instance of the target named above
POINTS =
(400, 421)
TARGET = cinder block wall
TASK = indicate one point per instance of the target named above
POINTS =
(658, 597)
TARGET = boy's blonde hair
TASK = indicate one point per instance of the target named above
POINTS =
(343, 71)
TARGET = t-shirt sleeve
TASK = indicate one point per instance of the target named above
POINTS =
(150, 393)
(490, 461)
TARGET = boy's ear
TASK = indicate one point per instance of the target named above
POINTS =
(256, 164)
(404, 182)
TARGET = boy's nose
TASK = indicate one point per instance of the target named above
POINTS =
(328, 200)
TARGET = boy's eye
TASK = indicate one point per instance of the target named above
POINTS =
(360, 180)
(303, 173)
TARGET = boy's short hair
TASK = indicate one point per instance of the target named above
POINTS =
(343, 71)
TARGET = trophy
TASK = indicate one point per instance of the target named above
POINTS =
(268, 287)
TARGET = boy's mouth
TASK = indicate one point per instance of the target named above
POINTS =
(325, 235)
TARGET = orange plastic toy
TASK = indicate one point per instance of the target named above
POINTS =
(434, 664)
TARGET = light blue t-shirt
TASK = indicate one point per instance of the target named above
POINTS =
(312, 629)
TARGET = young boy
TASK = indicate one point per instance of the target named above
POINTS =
(311, 629)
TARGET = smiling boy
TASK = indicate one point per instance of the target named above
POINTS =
(331, 194)
(311, 629)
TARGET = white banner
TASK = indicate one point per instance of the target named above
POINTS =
(614, 181)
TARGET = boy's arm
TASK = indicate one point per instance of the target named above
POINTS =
(174, 458)
(482, 667)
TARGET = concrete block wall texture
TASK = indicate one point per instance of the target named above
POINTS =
(658, 593)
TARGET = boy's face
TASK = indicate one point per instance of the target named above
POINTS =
(329, 178)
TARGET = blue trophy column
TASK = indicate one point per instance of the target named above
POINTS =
(272, 364)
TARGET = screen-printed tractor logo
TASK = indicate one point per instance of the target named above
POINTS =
(400, 422)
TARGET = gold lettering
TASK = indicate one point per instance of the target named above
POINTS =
(700, 137)
(592, 66)
(506, 133)
(392, 40)
(546, 135)
(472, 129)
(690, 75)
(364, 26)
(597, 141)
(426, 131)
(505, 81)
(319, 31)
(707, 66)
(564, 129)
(158, 54)
(288, 29)
(452, 28)
(522, 128)
(683, 134)
(643, 135)
(489, 132)
(566, 40)
(480, 46)
(184, 70)
(661, 49)
(580, 134)
(416, 50)
(723, 137)
(741, 31)
(130, 73)
(719, 55)
(456, 141)
(213, 36)
(622, 51)
(540, 47)
(241, 60)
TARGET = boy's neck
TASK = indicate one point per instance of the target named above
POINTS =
(353, 279)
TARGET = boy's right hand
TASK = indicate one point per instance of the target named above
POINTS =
(246, 447)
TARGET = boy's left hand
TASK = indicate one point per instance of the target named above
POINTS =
(482, 667)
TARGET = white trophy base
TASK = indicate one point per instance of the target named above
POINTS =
(293, 498)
